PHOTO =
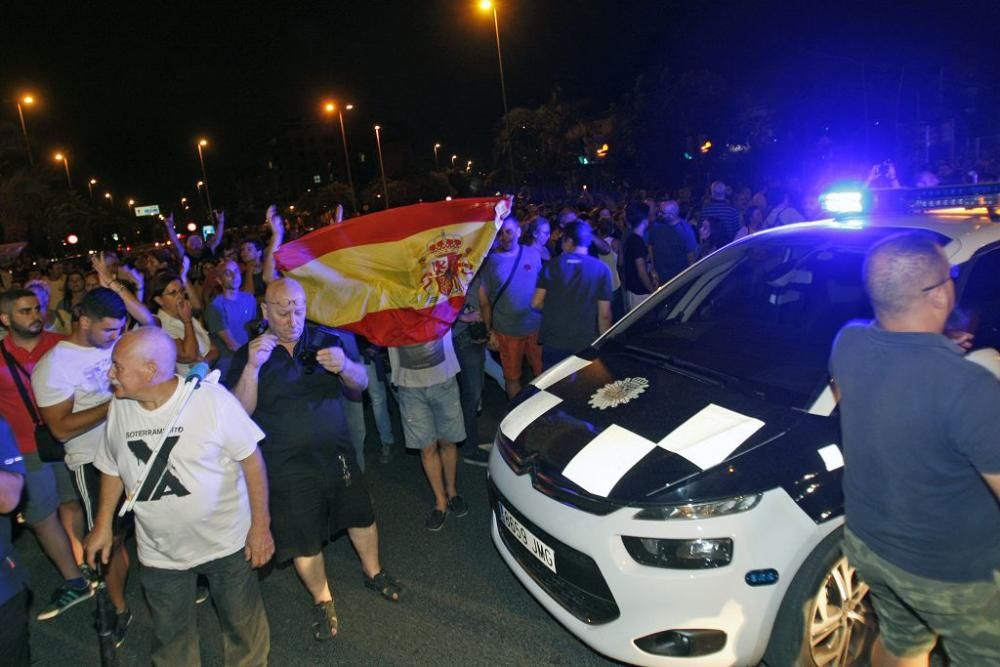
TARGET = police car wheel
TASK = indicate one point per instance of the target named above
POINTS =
(826, 616)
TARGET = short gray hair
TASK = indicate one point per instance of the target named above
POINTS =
(898, 267)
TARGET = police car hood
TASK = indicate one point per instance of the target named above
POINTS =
(622, 429)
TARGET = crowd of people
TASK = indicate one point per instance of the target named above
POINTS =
(96, 351)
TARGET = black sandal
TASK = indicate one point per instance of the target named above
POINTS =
(385, 585)
(324, 626)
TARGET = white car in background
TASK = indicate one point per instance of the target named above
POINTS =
(672, 495)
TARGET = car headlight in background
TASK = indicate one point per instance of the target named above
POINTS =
(699, 554)
(705, 510)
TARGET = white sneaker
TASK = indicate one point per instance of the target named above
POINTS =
(486, 446)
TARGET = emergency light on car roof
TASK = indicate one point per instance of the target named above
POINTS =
(915, 200)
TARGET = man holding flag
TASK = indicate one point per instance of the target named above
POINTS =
(200, 509)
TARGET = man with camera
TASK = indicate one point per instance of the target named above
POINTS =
(293, 380)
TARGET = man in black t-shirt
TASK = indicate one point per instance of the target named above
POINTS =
(574, 293)
(636, 278)
(671, 241)
(295, 393)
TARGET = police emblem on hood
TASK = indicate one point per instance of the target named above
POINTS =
(618, 393)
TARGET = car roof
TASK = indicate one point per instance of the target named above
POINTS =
(967, 231)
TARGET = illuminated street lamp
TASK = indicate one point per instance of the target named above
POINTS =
(468, 166)
(436, 147)
(131, 203)
(381, 165)
(202, 143)
(489, 6)
(26, 100)
(90, 187)
(111, 201)
(453, 158)
(329, 108)
(61, 157)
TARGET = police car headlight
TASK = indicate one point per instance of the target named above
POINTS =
(706, 510)
(697, 554)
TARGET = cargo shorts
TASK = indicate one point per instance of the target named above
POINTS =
(914, 611)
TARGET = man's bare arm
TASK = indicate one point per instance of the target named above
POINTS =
(538, 299)
(259, 542)
(994, 482)
(603, 316)
(66, 424)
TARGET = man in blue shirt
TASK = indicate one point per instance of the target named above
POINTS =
(229, 314)
(922, 466)
(13, 603)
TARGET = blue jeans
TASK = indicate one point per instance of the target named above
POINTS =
(379, 394)
(245, 636)
(471, 360)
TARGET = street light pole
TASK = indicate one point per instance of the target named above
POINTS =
(204, 175)
(60, 157)
(381, 164)
(329, 108)
(436, 165)
(453, 158)
(90, 187)
(489, 5)
(27, 100)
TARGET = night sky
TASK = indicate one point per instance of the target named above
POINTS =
(126, 88)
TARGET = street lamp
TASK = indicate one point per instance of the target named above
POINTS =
(453, 158)
(111, 201)
(329, 108)
(131, 203)
(436, 147)
(26, 100)
(60, 157)
(90, 187)
(381, 165)
(468, 166)
(204, 176)
(486, 6)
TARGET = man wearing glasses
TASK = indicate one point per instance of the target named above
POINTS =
(921, 463)
(293, 381)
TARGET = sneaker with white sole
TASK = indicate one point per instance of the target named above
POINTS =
(122, 621)
(64, 598)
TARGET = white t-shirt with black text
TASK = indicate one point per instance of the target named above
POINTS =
(199, 510)
(72, 371)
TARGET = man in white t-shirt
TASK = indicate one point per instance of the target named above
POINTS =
(431, 408)
(72, 391)
(202, 510)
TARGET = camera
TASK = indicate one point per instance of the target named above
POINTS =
(313, 340)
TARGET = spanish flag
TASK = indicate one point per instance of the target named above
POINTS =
(397, 277)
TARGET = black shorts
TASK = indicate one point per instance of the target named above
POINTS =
(309, 508)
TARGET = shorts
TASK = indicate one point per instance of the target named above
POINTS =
(308, 508)
(46, 486)
(914, 611)
(513, 350)
(88, 484)
(431, 414)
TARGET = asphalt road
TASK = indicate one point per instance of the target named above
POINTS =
(460, 606)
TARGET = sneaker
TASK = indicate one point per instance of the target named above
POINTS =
(201, 595)
(122, 621)
(486, 446)
(435, 520)
(475, 456)
(324, 625)
(458, 506)
(64, 598)
(386, 455)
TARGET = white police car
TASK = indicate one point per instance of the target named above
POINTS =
(672, 495)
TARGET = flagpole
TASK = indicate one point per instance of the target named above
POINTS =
(381, 164)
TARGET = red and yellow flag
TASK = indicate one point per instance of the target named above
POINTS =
(396, 277)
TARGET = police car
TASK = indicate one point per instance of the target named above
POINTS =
(672, 494)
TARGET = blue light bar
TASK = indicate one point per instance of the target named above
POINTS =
(843, 202)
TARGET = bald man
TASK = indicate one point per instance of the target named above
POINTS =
(922, 466)
(293, 380)
(206, 514)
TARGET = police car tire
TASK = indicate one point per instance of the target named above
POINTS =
(790, 641)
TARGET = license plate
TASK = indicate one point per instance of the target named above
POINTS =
(545, 555)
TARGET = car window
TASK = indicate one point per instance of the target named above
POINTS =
(763, 313)
(979, 304)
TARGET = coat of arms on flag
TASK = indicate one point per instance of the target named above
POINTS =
(396, 277)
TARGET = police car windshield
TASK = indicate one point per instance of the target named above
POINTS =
(763, 312)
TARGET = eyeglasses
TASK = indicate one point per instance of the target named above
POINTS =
(952, 275)
(176, 292)
(287, 303)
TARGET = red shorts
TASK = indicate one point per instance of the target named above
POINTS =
(513, 350)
